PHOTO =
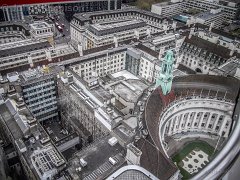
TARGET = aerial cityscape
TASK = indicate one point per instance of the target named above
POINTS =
(119, 89)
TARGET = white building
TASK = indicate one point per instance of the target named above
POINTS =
(213, 18)
(155, 22)
(102, 34)
(42, 30)
(178, 6)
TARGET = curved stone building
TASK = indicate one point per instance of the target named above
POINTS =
(198, 107)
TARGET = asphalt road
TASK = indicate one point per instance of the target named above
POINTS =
(66, 30)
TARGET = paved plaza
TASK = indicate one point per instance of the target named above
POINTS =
(195, 161)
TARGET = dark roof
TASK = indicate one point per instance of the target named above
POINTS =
(87, 17)
(112, 30)
(24, 49)
(147, 49)
(208, 46)
(154, 160)
(186, 69)
(217, 31)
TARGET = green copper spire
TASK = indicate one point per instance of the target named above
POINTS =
(165, 78)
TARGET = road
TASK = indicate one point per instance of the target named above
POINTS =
(59, 39)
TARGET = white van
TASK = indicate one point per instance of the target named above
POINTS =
(83, 162)
(112, 161)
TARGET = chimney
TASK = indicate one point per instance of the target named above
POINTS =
(211, 26)
(161, 52)
(115, 40)
(80, 49)
(174, 25)
(191, 33)
(148, 33)
(30, 60)
(232, 48)
(136, 33)
(48, 54)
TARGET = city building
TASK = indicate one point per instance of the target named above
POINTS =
(154, 22)
(42, 30)
(175, 7)
(15, 10)
(11, 32)
(22, 55)
(39, 91)
(38, 156)
(91, 107)
(103, 34)
(204, 50)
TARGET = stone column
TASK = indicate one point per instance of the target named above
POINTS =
(187, 121)
(170, 127)
(115, 40)
(216, 122)
(209, 120)
(225, 119)
(181, 120)
(174, 124)
(194, 119)
(80, 49)
(48, 54)
(136, 33)
(201, 120)
(30, 60)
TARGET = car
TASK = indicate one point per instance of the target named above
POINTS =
(63, 25)
(63, 35)
(55, 138)
(141, 108)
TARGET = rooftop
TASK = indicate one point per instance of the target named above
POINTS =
(130, 172)
(130, 89)
(110, 28)
(23, 46)
(39, 25)
(207, 15)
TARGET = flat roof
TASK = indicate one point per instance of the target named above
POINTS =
(110, 28)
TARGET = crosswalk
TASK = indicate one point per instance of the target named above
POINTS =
(102, 169)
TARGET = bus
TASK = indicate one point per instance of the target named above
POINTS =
(60, 28)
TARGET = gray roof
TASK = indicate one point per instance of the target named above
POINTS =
(106, 29)
(24, 49)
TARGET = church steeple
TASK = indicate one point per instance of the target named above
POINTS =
(165, 78)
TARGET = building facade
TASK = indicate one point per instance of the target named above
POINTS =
(16, 12)
(178, 6)
(39, 91)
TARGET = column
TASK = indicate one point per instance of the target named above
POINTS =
(201, 120)
(30, 60)
(109, 4)
(194, 119)
(174, 124)
(225, 119)
(209, 120)
(187, 120)
(170, 127)
(216, 121)
(181, 120)
(48, 54)
(80, 49)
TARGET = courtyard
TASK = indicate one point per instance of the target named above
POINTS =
(193, 157)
